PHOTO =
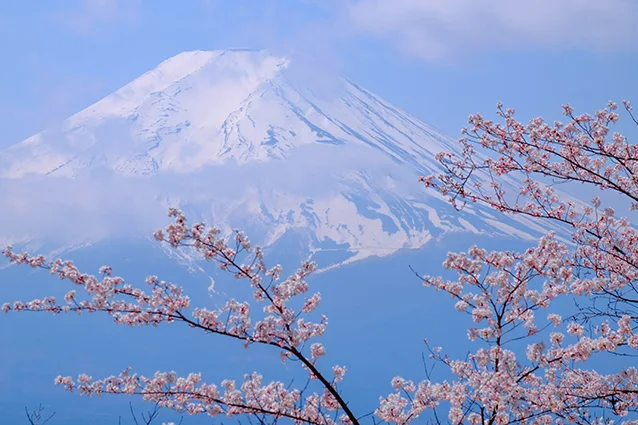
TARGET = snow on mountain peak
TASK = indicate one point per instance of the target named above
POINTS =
(193, 70)
(247, 138)
(205, 107)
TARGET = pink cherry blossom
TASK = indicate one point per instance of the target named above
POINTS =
(527, 363)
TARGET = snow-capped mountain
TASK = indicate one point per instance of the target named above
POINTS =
(247, 139)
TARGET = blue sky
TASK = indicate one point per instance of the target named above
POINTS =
(440, 60)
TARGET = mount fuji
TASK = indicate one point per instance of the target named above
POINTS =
(243, 139)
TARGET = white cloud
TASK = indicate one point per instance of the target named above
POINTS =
(73, 211)
(442, 29)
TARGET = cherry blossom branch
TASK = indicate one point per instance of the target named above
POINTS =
(166, 303)
(36, 417)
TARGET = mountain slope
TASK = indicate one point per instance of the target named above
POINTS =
(265, 143)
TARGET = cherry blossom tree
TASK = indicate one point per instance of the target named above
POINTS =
(527, 363)
(543, 156)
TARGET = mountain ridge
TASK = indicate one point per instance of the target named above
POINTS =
(259, 142)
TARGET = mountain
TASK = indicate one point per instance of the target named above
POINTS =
(244, 139)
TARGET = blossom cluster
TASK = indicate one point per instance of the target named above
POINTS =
(192, 396)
